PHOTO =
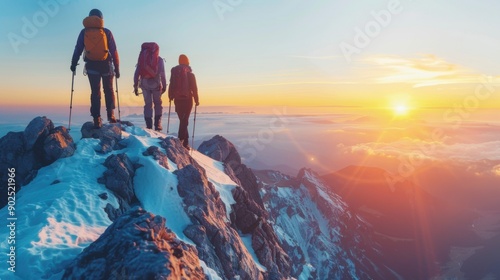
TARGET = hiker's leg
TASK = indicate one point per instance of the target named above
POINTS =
(95, 95)
(109, 95)
(157, 102)
(183, 113)
(148, 103)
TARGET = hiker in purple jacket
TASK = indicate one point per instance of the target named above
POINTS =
(183, 90)
(150, 76)
(100, 56)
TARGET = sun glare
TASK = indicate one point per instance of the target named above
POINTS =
(401, 110)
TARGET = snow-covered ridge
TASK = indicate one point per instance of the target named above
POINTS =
(60, 212)
(243, 224)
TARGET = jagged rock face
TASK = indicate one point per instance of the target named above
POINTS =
(119, 178)
(109, 136)
(136, 246)
(58, 144)
(217, 242)
(220, 149)
(157, 155)
(176, 152)
(323, 238)
(39, 145)
(248, 213)
(38, 128)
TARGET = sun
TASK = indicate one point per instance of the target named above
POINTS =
(401, 110)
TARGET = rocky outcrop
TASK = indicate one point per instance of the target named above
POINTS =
(218, 244)
(39, 145)
(109, 136)
(157, 155)
(176, 152)
(220, 149)
(136, 246)
(249, 215)
(318, 231)
(119, 178)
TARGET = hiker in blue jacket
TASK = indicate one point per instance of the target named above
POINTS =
(183, 90)
(100, 56)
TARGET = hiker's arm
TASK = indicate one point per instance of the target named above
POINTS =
(194, 88)
(112, 50)
(78, 50)
(170, 90)
(136, 79)
(161, 68)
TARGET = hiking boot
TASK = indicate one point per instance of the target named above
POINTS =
(111, 117)
(185, 144)
(149, 123)
(97, 122)
(158, 123)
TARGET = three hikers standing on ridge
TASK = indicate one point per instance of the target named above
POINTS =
(102, 63)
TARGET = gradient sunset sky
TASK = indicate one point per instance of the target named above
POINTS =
(245, 53)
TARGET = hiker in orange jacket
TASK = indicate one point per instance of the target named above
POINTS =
(100, 56)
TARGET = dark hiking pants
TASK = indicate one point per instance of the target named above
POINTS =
(95, 96)
(183, 110)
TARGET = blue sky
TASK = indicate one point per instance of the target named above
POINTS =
(266, 52)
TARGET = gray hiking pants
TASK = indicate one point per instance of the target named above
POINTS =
(152, 97)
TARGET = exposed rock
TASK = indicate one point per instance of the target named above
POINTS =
(109, 134)
(206, 250)
(204, 206)
(58, 144)
(103, 196)
(317, 229)
(39, 128)
(218, 244)
(176, 152)
(136, 246)
(119, 178)
(220, 149)
(39, 145)
(248, 213)
(157, 155)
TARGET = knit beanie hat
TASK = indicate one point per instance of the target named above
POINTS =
(183, 59)
(95, 12)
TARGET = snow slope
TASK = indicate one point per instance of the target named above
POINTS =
(60, 213)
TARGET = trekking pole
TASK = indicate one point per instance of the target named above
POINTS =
(118, 98)
(71, 100)
(194, 125)
(168, 119)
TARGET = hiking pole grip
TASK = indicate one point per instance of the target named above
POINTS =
(71, 100)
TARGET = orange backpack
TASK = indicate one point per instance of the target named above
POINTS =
(95, 40)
